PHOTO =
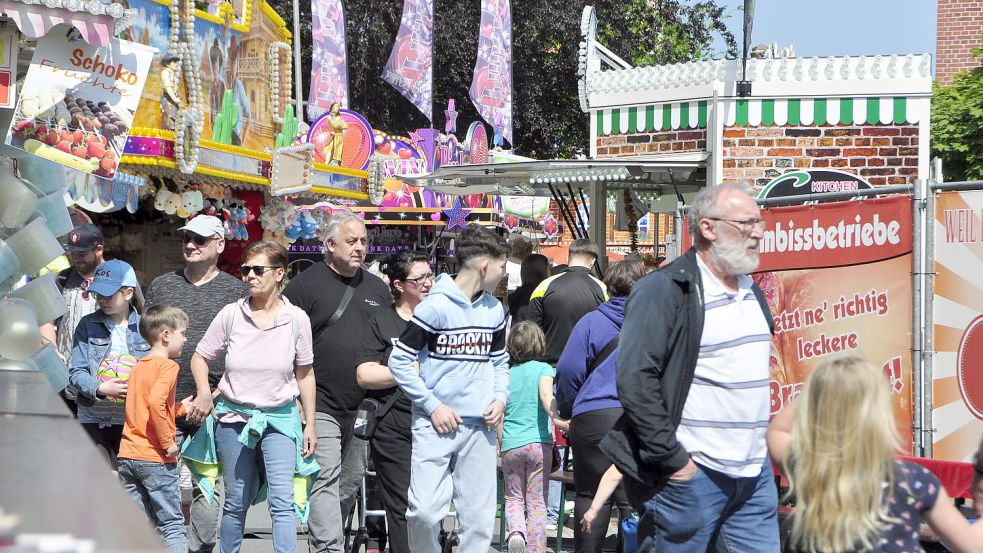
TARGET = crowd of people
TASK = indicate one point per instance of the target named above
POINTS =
(262, 388)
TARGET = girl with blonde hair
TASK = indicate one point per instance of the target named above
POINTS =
(838, 445)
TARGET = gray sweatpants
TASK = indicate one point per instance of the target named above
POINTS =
(342, 460)
(458, 466)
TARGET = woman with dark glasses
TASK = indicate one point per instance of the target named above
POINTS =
(410, 279)
(268, 365)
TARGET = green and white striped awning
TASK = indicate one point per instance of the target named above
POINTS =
(652, 118)
(874, 110)
(763, 112)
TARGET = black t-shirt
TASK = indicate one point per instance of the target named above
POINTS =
(69, 279)
(318, 291)
(519, 302)
(384, 329)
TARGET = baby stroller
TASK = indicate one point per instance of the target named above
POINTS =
(358, 538)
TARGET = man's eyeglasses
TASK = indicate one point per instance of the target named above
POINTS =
(197, 239)
(746, 225)
(429, 277)
(260, 270)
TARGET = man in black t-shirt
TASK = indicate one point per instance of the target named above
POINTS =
(338, 329)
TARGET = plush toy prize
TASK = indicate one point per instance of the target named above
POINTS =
(116, 366)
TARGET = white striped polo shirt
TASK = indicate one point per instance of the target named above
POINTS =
(726, 413)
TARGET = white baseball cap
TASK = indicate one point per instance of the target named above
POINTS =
(204, 225)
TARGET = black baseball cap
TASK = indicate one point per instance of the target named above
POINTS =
(84, 238)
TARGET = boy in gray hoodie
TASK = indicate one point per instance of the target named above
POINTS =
(457, 335)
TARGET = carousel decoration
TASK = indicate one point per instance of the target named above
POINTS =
(376, 182)
(292, 166)
(334, 147)
(191, 119)
(457, 216)
(171, 101)
(279, 51)
(511, 222)
(551, 227)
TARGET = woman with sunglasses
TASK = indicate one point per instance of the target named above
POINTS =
(268, 364)
(410, 279)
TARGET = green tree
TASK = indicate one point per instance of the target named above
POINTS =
(548, 122)
(957, 124)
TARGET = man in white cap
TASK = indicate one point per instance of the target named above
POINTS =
(201, 290)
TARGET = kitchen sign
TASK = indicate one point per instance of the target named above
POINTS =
(813, 181)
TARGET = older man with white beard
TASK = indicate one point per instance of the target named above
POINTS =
(693, 380)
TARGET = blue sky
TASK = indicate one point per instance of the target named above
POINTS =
(841, 27)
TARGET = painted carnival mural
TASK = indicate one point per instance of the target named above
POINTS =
(234, 65)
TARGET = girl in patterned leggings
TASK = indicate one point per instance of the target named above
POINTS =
(527, 439)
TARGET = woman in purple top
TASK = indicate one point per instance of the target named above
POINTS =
(268, 365)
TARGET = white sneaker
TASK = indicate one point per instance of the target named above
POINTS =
(551, 528)
(517, 544)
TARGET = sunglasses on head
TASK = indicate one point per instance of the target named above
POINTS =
(197, 239)
(260, 270)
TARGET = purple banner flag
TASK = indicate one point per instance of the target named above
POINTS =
(329, 78)
(410, 65)
(491, 86)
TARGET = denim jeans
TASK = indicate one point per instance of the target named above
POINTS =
(554, 495)
(154, 488)
(240, 465)
(342, 459)
(712, 512)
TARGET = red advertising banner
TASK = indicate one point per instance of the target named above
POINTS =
(957, 380)
(835, 234)
(837, 277)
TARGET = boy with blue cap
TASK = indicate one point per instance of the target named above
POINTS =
(106, 346)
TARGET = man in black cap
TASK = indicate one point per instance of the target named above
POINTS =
(84, 250)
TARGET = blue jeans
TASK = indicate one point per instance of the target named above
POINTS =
(712, 512)
(154, 488)
(553, 495)
(240, 466)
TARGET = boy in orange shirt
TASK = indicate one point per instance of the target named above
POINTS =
(148, 451)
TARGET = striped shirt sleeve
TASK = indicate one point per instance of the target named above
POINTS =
(405, 355)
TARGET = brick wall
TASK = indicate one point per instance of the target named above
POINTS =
(682, 140)
(881, 154)
(960, 29)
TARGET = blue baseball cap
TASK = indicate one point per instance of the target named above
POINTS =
(111, 276)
